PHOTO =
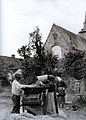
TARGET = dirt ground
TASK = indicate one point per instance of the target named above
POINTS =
(64, 114)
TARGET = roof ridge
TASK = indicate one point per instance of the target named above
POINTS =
(64, 29)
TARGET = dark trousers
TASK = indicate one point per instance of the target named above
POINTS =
(16, 104)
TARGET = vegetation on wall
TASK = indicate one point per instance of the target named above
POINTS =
(75, 64)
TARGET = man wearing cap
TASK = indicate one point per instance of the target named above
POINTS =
(16, 92)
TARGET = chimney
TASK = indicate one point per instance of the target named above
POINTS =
(13, 55)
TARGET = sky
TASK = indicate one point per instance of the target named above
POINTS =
(18, 18)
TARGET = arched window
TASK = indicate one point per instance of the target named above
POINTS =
(56, 52)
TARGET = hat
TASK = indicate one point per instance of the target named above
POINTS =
(17, 75)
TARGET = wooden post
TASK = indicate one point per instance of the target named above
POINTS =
(45, 97)
(22, 106)
(55, 98)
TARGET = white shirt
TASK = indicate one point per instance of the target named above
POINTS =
(41, 79)
(16, 87)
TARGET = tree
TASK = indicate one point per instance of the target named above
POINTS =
(39, 63)
(24, 51)
(32, 64)
(36, 44)
(75, 64)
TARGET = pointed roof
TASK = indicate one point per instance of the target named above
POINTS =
(62, 30)
(85, 22)
(67, 37)
(84, 25)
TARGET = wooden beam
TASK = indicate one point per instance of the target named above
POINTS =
(32, 110)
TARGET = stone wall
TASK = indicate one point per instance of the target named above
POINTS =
(62, 39)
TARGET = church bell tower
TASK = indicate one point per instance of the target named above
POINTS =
(82, 33)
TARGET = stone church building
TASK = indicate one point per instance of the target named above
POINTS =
(61, 41)
(65, 40)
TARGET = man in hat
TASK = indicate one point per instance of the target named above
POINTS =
(16, 92)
